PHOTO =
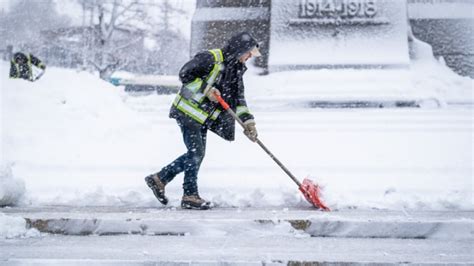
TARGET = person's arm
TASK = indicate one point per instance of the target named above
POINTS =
(36, 62)
(198, 67)
(13, 70)
(193, 73)
(242, 110)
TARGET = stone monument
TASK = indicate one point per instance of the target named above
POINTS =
(338, 34)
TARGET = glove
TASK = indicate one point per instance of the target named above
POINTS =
(209, 92)
(250, 130)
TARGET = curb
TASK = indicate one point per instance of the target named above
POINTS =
(315, 227)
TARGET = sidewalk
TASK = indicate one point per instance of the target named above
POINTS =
(146, 236)
(170, 221)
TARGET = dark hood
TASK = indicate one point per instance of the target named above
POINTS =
(20, 57)
(238, 45)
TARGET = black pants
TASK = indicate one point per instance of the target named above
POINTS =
(194, 137)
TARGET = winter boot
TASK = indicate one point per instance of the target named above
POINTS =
(195, 202)
(158, 188)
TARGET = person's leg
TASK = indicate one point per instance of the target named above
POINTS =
(190, 161)
(195, 141)
(158, 181)
(194, 137)
(191, 198)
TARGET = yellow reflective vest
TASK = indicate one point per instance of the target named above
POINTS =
(189, 100)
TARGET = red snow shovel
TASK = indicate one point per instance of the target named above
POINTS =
(310, 190)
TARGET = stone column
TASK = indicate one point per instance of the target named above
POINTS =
(215, 21)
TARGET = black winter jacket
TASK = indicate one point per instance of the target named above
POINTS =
(230, 84)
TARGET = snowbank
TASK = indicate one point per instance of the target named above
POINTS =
(11, 189)
(69, 122)
(431, 76)
(11, 227)
(66, 118)
(427, 81)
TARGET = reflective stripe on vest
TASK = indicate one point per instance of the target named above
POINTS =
(218, 58)
(216, 113)
(242, 110)
(189, 104)
(195, 85)
(190, 109)
(193, 110)
(30, 69)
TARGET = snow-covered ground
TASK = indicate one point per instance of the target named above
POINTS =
(400, 179)
(76, 140)
(132, 250)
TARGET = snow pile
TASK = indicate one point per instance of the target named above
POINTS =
(427, 81)
(11, 189)
(66, 117)
(70, 133)
(11, 227)
(433, 77)
(100, 197)
(334, 225)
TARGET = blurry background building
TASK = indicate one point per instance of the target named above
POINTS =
(447, 25)
(215, 21)
(138, 36)
(294, 34)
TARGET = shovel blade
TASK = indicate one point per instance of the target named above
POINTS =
(312, 193)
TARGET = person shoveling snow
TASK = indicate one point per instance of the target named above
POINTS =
(213, 83)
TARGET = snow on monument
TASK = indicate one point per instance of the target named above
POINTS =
(321, 34)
